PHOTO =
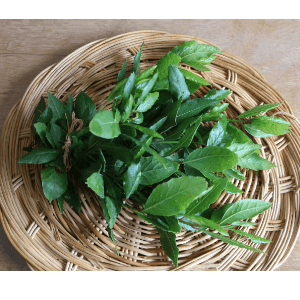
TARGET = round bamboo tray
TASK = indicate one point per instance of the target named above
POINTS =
(74, 241)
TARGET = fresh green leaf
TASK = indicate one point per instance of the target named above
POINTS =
(178, 87)
(255, 162)
(95, 182)
(145, 130)
(197, 66)
(240, 210)
(70, 104)
(258, 110)
(54, 183)
(232, 189)
(40, 156)
(168, 243)
(254, 131)
(271, 125)
(213, 159)
(152, 171)
(41, 130)
(202, 203)
(157, 221)
(60, 202)
(121, 74)
(59, 110)
(39, 110)
(193, 81)
(118, 151)
(254, 238)
(132, 178)
(105, 124)
(234, 173)
(145, 74)
(128, 108)
(174, 196)
(164, 64)
(148, 102)
(243, 223)
(84, 103)
(136, 62)
(128, 86)
(46, 116)
(242, 150)
(113, 208)
(238, 135)
(173, 223)
(217, 134)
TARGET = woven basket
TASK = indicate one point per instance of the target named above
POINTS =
(74, 241)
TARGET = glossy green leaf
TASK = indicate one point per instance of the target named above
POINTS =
(70, 104)
(255, 162)
(132, 178)
(213, 159)
(242, 150)
(173, 196)
(105, 124)
(217, 134)
(136, 61)
(84, 103)
(40, 156)
(152, 171)
(240, 210)
(148, 102)
(128, 86)
(238, 135)
(173, 223)
(96, 183)
(258, 110)
(178, 88)
(193, 81)
(243, 223)
(202, 203)
(271, 125)
(113, 207)
(234, 173)
(164, 64)
(54, 183)
(144, 130)
(121, 74)
(254, 238)
(147, 89)
(41, 130)
(157, 221)
(197, 66)
(118, 151)
(145, 74)
(168, 243)
(254, 131)
(46, 116)
(232, 189)
(117, 91)
(128, 108)
(59, 110)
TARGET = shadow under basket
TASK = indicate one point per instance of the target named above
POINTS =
(71, 241)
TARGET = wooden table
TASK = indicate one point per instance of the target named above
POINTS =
(29, 46)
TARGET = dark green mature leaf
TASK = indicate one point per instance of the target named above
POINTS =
(145, 74)
(113, 207)
(178, 131)
(136, 61)
(96, 183)
(170, 111)
(173, 196)
(111, 189)
(217, 134)
(84, 103)
(234, 173)
(232, 189)
(40, 156)
(240, 210)
(58, 163)
(203, 222)
(254, 131)
(231, 242)
(147, 89)
(153, 171)
(271, 125)
(168, 243)
(128, 86)
(39, 110)
(213, 159)
(41, 130)
(242, 150)
(141, 150)
(132, 178)
(59, 110)
(202, 203)
(148, 149)
(193, 81)
(118, 151)
(60, 202)
(117, 91)
(186, 140)
(121, 74)
(105, 124)
(255, 162)
(164, 64)
(254, 238)
(46, 116)
(128, 108)
(173, 223)
(54, 183)
(157, 221)
(144, 130)
(70, 104)
(148, 102)
(258, 110)
(214, 114)
(58, 135)
(178, 88)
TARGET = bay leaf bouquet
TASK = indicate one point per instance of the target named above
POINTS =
(154, 152)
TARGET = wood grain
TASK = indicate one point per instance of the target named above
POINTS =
(29, 46)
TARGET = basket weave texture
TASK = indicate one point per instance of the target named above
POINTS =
(74, 241)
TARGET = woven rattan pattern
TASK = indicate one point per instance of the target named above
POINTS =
(74, 241)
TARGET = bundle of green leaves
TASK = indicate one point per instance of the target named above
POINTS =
(154, 147)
